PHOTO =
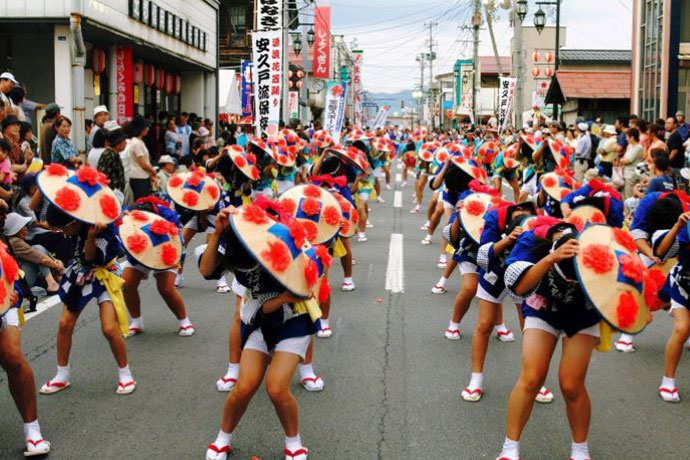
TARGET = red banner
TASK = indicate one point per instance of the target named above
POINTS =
(124, 82)
(322, 44)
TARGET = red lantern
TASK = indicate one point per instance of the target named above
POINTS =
(97, 60)
(138, 72)
(149, 74)
(160, 79)
(536, 56)
(549, 56)
(169, 83)
(178, 84)
(536, 72)
(548, 72)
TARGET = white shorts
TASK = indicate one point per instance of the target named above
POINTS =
(145, 271)
(295, 345)
(676, 305)
(532, 322)
(468, 268)
(363, 196)
(482, 294)
(238, 289)
(11, 318)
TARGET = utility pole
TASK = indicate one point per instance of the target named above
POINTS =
(476, 24)
(431, 57)
(421, 58)
(489, 23)
(518, 69)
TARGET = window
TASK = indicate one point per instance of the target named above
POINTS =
(238, 26)
(650, 58)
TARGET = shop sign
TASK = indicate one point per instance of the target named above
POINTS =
(357, 86)
(334, 111)
(269, 14)
(266, 55)
(150, 13)
(124, 81)
(322, 46)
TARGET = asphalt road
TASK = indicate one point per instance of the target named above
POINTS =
(393, 381)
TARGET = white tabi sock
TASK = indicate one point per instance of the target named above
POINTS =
(668, 382)
(454, 326)
(347, 279)
(501, 327)
(324, 323)
(184, 322)
(32, 431)
(443, 258)
(306, 371)
(124, 374)
(233, 371)
(579, 451)
(223, 439)
(511, 449)
(442, 282)
(136, 323)
(62, 374)
(294, 443)
(477, 381)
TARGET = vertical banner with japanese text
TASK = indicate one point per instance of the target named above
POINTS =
(506, 93)
(246, 88)
(266, 56)
(124, 80)
(322, 45)
(334, 110)
(381, 116)
(269, 14)
(357, 87)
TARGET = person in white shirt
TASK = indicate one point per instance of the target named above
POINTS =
(141, 173)
(583, 151)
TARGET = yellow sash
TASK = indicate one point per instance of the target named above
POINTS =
(605, 343)
(339, 249)
(20, 310)
(310, 306)
(113, 284)
(450, 249)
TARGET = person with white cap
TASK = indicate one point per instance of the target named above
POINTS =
(683, 128)
(35, 261)
(7, 82)
(583, 151)
(100, 118)
(607, 151)
(166, 169)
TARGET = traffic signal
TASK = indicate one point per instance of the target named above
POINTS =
(295, 76)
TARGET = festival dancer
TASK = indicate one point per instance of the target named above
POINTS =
(276, 323)
(20, 376)
(150, 234)
(83, 206)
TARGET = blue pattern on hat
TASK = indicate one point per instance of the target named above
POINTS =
(156, 239)
(302, 215)
(621, 278)
(283, 234)
(90, 190)
(197, 189)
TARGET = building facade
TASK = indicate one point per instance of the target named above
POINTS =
(661, 57)
(234, 27)
(134, 56)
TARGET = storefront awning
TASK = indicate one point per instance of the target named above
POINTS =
(588, 85)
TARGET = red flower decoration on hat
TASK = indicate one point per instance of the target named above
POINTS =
(344, 226)
(625, 239)
(311, 273)
(3, 292)
(168, 254)
(297, 232)
(67, 199)
(475, 207)
(139, 215)
(310, 206)
(212, 191)
(175, 181)
(10, 268)
(477, 172)
(255, 214)
(239, 161)
(190, 198)
(251, 158)
(627, 309)
(312, 191)
(109, 206)
(577, 222)
(311, 230)
(654, 280)
(91, 176)
(632, 267)
(355, 217)
(564, 193)
(277, 255)
(563, 163)
(56, 169)
(599, 218)
(288, 206)
(331, 215)
(324, 290)
(160, 227)
(323, 255)
(137, 242)
(194, 179)
(459, 159)
(548, 181)
(255, 173)
(599, 258)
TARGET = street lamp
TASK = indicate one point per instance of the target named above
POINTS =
(539, 20)
(521, 8)
(297, 44)
(310, 37)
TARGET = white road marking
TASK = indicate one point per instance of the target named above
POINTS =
(397, 199)
(400, 166)
(398, 177)
(44, 305)
(395, 270)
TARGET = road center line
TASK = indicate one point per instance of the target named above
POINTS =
(398, 177)
(397, 199)
(395, 270)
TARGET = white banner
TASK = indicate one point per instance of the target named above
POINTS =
(506, 88)
(293, 105)
(269, 14)
(334, 111)
(266, 56)
(357, 87)
(381, 117)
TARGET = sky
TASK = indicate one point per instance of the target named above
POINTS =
(391, 33)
